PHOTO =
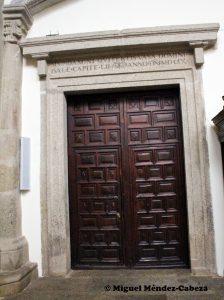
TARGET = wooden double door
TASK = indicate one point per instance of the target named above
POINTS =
(126, 180)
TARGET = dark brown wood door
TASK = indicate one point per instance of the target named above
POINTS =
(126, 180)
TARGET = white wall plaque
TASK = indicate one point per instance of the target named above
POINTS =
(25, 164)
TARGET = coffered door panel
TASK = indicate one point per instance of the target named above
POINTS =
(94, 126)
(153, 122)
(126, 180)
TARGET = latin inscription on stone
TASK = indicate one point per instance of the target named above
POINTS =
(120, 64)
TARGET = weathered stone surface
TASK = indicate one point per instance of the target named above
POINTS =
(15, 270)
(9, 145)
(1, 42)
(159, 59)
(35, 6)
(10, 108)
(16, 22)
(14, 257)
(91, 285)
(15, 281)
(10, 215)
(143, 38)
(8, 178)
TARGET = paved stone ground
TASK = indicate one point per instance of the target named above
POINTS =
(90, 284)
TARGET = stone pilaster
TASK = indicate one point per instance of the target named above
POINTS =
(15, 269)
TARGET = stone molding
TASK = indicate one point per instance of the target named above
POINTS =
(16, 22)
(197, 37)
(35, 6)
(65, 65)
(54, 185)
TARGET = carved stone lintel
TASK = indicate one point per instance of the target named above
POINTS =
(16, 22)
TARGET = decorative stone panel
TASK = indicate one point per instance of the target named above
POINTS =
(16, 22)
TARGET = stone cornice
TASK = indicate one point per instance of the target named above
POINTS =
(16, 22)
(198, 36)
(35, 6)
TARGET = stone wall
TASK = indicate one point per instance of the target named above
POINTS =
(1, 41)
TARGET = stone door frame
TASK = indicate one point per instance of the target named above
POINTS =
(59, 75)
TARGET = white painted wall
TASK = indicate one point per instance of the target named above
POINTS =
(213, 92)
(73, 16)
(31, 221)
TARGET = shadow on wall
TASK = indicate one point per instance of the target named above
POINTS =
(29, 62)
